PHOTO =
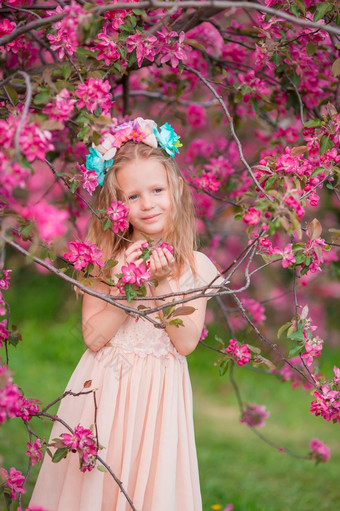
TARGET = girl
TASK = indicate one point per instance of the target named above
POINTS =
(143, 393)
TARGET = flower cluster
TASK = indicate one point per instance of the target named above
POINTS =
(118, 213)
(139, 130)
(133, 275)
(10, 396)
(83, 253)
(83, 442)
(14, 481)
(287, 373)
(327, 404)
(34, 451)
(254, 415)
(240, 353)
(318, 451)
(50, 221)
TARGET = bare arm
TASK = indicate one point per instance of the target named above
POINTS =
(101, 320)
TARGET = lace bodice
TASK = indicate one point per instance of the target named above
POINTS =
(141, 337)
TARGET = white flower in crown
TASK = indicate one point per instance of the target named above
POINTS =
(147, 127)
(106, 148)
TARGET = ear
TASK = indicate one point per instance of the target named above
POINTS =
(181, 184)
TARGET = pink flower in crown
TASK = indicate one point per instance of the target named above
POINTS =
(83, 254)
(34, 451)
(254, 415)
(118, 212)
(287, 255)
(14, 481)
(319, 451)
(252, 217)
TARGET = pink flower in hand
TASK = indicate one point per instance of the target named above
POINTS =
(319, 451)
(134, 274)
(118, 213)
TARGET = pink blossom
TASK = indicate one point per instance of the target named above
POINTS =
(133, 274)
(118, 213)
(62, 107)
(312, 351)
(204, 334)
(254, 415)
(66, 41)
(336, 378)
(239, 353)
(14, 481)
(83, 254)
(49, 220)
(82, 440)
(170, 48)
(327, 404)
(34, 451)
(90, 179)
(252, 217)
(287, 373)
(287, 255)
(196, 116)
(27, 408)
(10, 396)
(4, 332)
(116, 17)
(319, 451)
(207, 181)
(94, 93)
(146, 47)
(107, 49)
(166, 245)
(4, 279)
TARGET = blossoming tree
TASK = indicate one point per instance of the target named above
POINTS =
(252, 88)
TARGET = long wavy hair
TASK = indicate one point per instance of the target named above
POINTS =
(180, 231)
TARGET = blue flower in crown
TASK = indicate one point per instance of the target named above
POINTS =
(168, 139)
(94, 161)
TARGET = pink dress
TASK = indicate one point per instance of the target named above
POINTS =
(144, 418)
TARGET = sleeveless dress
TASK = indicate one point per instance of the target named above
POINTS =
(144, 419)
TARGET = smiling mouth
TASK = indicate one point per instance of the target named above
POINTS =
(152, 217)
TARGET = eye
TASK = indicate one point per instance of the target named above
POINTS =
(132, 197)
(158, 190)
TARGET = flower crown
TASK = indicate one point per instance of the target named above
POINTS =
(101, 157)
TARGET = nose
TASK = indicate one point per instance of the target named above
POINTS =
(147, 202)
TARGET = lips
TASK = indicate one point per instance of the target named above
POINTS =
(151, 217)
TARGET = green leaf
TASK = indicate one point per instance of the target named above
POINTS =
(255, 105)
(276, 59)
(110, 263)
(294, 351)
(325, 144)
(130, 292)
(282, 329)
(176, 322)
(132, 58)
(321, 10)
(107, 224)
(59, 454)
(311, 48)
(74, 186)
(224, 366)
(12, 94)
(66, 70)
(101, 468)
(42, 98)
(317, 171)
(270, 181)
(314, 123)
(138, 12)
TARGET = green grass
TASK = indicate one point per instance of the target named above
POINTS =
(235, 465)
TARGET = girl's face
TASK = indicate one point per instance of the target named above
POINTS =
(145, 186)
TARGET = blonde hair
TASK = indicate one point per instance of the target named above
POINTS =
(180, 232)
